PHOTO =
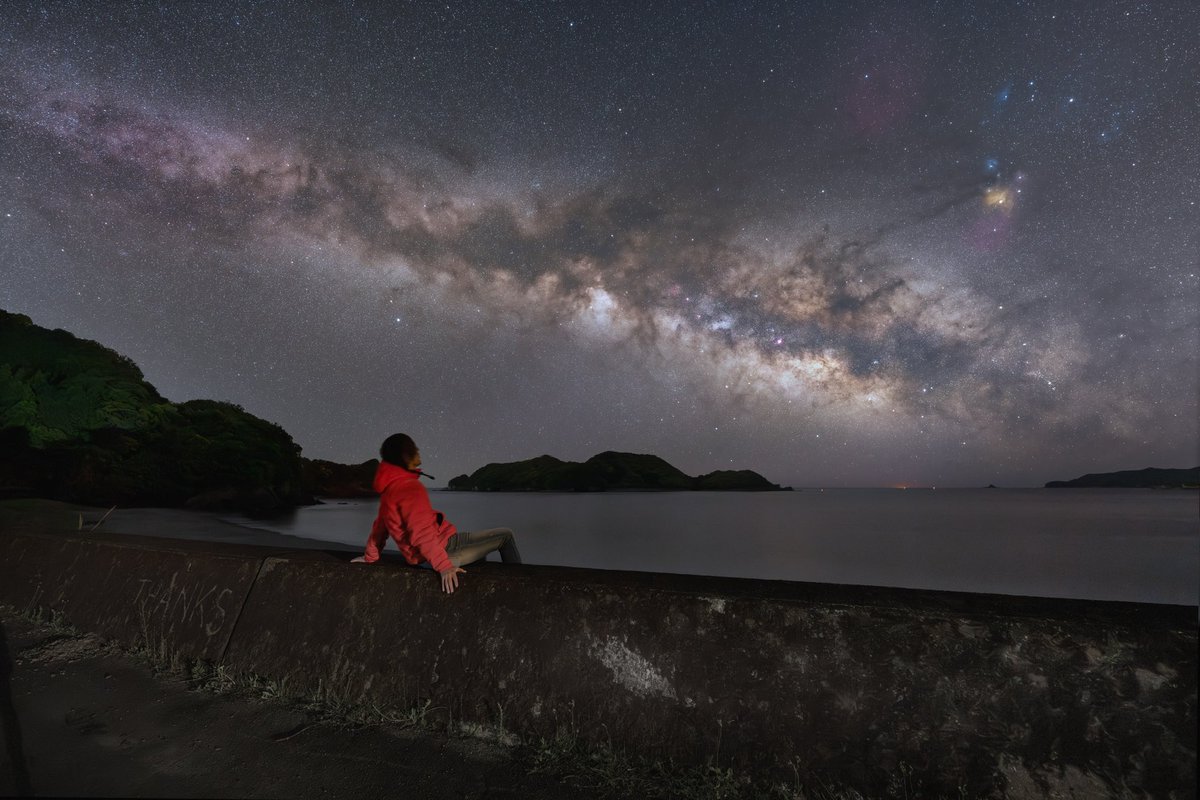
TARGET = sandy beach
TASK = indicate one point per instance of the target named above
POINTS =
(170, 523)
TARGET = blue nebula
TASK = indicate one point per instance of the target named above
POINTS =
(1001, 97)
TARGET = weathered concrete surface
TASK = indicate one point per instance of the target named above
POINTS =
(81, 719)
(998, 696)
(1001, 695)
(132, 588)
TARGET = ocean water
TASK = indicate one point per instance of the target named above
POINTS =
(1104, 544)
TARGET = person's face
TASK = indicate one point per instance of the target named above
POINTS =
(415, 461)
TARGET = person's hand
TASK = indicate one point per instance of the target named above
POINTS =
(450, 579)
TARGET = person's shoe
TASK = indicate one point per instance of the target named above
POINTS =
(358, 560)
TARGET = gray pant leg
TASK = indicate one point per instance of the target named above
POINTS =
(467, 547)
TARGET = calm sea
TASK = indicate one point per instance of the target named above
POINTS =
(1125, 544)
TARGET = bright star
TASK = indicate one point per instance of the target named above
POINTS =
(999, 197)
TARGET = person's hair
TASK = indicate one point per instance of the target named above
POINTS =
(398, 449)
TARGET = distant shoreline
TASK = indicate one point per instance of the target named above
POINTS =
(1148, 478)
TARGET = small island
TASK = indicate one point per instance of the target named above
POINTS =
(607, 471)
(1149, 478)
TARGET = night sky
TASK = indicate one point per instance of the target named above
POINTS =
(841, 243)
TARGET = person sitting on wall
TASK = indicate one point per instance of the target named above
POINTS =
(424, 536)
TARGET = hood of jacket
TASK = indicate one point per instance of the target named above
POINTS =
(387, 474)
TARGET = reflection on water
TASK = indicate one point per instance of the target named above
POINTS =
(1125, 544)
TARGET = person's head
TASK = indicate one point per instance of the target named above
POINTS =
(401, 450)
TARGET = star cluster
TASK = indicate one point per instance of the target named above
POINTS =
(841, 244)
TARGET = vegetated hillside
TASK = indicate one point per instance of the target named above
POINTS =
(1149, 478)
(739, 480)
(534, 474)
(331, 479)
(607, 471)
(79, 422)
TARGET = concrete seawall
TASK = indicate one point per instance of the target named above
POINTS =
(995, 696)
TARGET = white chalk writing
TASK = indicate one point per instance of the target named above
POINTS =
(202, 605)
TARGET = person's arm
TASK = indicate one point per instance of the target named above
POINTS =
(423, 531)
(377, 538)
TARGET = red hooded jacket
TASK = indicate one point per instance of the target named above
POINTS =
(405, 514)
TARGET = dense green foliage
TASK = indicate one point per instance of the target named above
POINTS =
(603, 472)
(59, 387)
(79, 422)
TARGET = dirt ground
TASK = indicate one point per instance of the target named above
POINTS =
(80, 717)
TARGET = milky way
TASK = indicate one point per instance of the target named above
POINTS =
(839, 244)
